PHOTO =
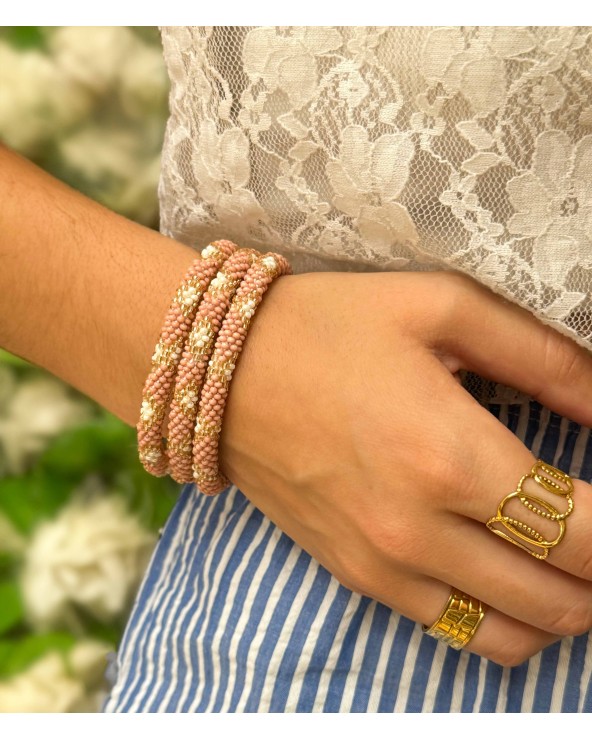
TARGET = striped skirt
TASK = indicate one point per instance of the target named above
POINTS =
(233, 616)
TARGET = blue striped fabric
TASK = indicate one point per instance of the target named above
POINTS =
(233, 616)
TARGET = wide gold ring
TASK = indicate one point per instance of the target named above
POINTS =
(523, 535)
(459, 620)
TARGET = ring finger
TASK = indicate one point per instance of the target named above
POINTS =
(499, 637)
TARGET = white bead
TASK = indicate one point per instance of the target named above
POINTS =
(209, 251)
(147, 411)
(247, 308)
(189, 297)
(152, 456)
(269, 262)
(219, 280)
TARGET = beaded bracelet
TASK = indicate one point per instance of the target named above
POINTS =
(194, 362)
(207, 476)
(167, 354)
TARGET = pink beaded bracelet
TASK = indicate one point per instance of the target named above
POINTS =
(167, 354)
(207, 476)
(194, 362)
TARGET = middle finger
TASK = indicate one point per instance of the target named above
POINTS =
(498, 474)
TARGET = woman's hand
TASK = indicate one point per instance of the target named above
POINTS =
(347, 426)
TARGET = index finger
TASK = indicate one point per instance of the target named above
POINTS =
(502, 341)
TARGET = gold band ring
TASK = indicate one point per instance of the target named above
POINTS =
(459, 620)
(549, 479)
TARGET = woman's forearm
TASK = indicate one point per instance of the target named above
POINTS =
(83, 291)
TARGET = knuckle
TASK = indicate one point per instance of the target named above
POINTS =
(453, 293)
(350, 585)
(511, 653)
(353, 573)
(574, 618)
(563, 359)
(585, 565)
(349, 581)
(449, 472)
(397, 541)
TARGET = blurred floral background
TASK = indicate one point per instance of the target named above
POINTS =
(79, 516)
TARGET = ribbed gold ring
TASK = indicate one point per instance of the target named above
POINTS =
(459, 620)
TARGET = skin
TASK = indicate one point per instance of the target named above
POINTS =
(345, 423)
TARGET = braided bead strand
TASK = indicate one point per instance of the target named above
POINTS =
(167, 354)
(194, 362)
(207, 476)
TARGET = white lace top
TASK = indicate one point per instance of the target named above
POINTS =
(391, 148)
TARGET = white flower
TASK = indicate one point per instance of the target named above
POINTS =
(143, 81)
(39, 410)
(93, 55)
(38, 101)
(222, 170)
(137, 199)
(473, 67)
(367, 180)
(553, 204)
(56, 683)
(288, 62)
(100, 153)
(112, 156)
(353, 88)
(252, 115)
(549, 94)
(92, 555)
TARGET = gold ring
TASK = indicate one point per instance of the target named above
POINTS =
(551, 480)
(459, 620)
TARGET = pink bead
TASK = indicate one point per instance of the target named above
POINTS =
(211, 407)
(158, 385)
(197, 393)
(213, 307)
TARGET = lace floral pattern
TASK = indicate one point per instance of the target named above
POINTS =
(391, 148)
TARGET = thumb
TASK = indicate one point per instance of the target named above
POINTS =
(503, 342)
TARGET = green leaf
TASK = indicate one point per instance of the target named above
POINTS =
(25, 37)
(7, 358)
(8, 563)
(17, 656)
(104, 444)
(11, 606)
(17, 503)
(33, 498)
